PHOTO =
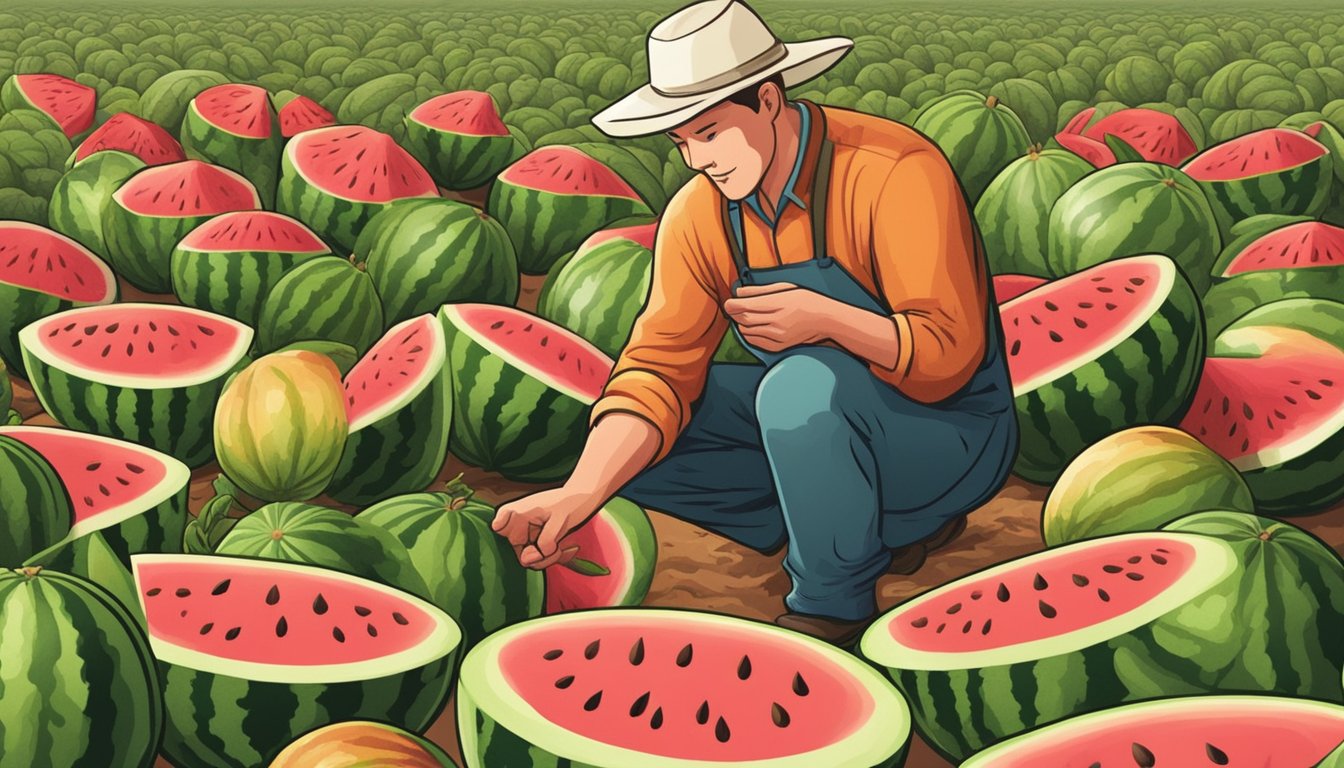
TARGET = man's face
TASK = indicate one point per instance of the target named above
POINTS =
(730, 143)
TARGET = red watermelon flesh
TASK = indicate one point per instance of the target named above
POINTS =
(1270, 150)
(1297, 246)
(559, 357)
(1158, 136)
(303, 114)
(1009, 287)
(470, 113)
(606, 541)
(125, 132)
(395, 370)
(566, 171)
(1073, 590)
(352, 162)
(1079, 121)
(243, 110)
(39, 259)
(1091, 150)
(65, 101)
(263, 231)
(188, 188)
(641, 234)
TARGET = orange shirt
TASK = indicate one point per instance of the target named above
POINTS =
(897, 220)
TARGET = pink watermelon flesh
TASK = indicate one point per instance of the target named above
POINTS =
(713, 693)
(599, 541)
(1056, 595)
(1159, 137)
(293, 618)
(1009, 287)
(1265, 151)
(1079, 121)
(188, 188)
(303, 114)
(1075, 313)
(1247, 408)
(565, 170)
(1091, 150)
(253, 231)
(38, 259)
(470, 113)
(562, 357)
(132, 340)
(125, 132)
(360, 164)
(65, 101)
(243, 110)
(396, 361)
(1297, 246)
(640, 234)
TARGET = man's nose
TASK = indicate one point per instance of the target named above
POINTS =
(697, 159)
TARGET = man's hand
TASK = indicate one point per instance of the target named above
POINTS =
(535, 525)
(777, 316)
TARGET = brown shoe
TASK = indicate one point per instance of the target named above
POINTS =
(835, 631)
(910, 558)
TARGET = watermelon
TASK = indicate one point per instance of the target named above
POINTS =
(6, 389)
(235, 127)
(979, 135)
(78, 199)
(1051, 635)
(1267, 731)
(1129, 209)
(645, 175)
(134, 496)
(231, 262)
(81, 690)
(1140, 369)
(361, 744)
(399, 398)
(1009, 286)
(278, 649)
(1137, 480)
(41, 273)
(166, 99)
(1272, 170)
(337, 179)
(151, 373)
(1095, 152)
(1302, 259)
(460, 138)
(553, 198)
(522, 390)
(157, 207)
(301, 114)
(1158, 136)
(537, 694)
(1014, 211)
(600, 290)
(90, 557)
(471, 571)
(69, 104)
(1271, 402)
(34, 508)
(324, 298)
(620, 539)
(424, 253)
(124, 132)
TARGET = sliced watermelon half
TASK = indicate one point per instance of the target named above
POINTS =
(303, 114)
(124, 132)
(470, 113)
(69, 104)
(1304, 245)
(619, 540)
(1158, 136)
(1278, 257)
(1273, 170)
(1009, 287)
(235, 108)
(1091, 150)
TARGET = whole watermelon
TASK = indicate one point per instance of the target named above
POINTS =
(77, 201)
(979, 135)
(325, 298)
(1014, 211)
(357, 743)
(35, 511)
(600, 290)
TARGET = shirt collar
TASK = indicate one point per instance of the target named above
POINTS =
(790, 187)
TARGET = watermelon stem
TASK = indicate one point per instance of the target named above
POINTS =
(584, 567)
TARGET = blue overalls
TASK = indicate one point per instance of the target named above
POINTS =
(814, 449)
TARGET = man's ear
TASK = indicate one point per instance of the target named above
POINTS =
(771, 99)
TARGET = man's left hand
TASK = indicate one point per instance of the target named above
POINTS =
(777, 316)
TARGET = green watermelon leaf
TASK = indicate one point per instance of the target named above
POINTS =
(205, 532)
(1124, 152)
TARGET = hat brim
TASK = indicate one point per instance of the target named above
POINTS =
(645, 111)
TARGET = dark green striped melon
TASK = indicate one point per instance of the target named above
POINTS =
(1114, 346)
(78, 199)
(1134, 208)
(90, 557)
(235, 126)
(522, 390)
(399, 399)
(600, 290)
(551, 199)
(6, 390)
(230, 263)
(34, 508)
(979, 135)
(325, 298)
(1056, 634)
(337, 179)
(69, 104)
(80, 686)
(425, 253)
(471, 571)
(147, 373)
(460, 138)
(1272, 170)
(1014, 211)
(254, 653)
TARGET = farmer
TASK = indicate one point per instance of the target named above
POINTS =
(839, 248)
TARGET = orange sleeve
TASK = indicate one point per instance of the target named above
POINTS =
(929, 266)
(662, 369)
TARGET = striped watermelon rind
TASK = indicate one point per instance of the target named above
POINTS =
(457, 160)
(1014, 211)
(979, 135)
(599, 291)
(324, 298)
(35, 511)
(78, 199)
(90, 697)
(257, 159)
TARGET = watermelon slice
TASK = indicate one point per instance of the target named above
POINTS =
(1091, 150)
(1273, 170)
(620, 541)
(299, 647)
(43, 272)
(1264, 731)
(642, 687)
(399, 399)
(1158, 136)
(235, 126)
(154, 371)
(1069, 630)
(460, 138)
(303, 114)
(1009, 287)
(69, 104)
(1302, 259)
(124, 132)
(136, 496)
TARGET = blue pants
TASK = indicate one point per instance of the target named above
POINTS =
(817, 451)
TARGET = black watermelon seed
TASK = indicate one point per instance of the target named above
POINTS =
(684, 656)
(184, 613)
(1134, 559)
(153, 592)
(183, 592)
(1080, 580)
(744, 668)
(656, 721)
(273, 596)
(362, 611)
(637, 652)
(338, 634)
(702, 713)
(319, 604)
(1094, 765)
(1112, 568)
(920, 623)
(966, 628)
(372, 630)
(977, 594)
(590, 652)
(721, 731)
(1039, 583)
(1047, 610)
(233, 633)
(940, 629)
(553, 654)
(564, 682)
(281, 627)
(1105, 598)
(402, 620)
(205, 629)
(985, 629)
(780, 715)
(799, 684)
(221, 587)
(1003, 592)
(593, 702)
(641, 704)
(1216, 755)
(953, 608)
(1132, 576)
(1160, 560)
(1142, 757)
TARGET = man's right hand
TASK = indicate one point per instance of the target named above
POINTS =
(536, 524)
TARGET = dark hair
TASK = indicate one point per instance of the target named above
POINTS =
(750, 97)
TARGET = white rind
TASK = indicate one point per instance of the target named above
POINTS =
(433, 369)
